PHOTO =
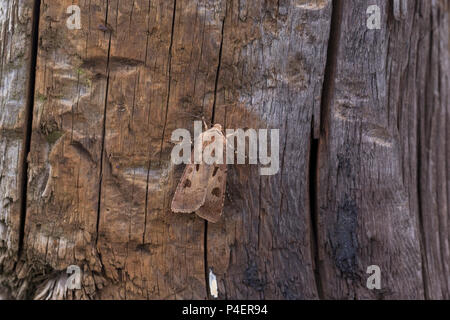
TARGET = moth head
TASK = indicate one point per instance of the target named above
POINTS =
(218, 127)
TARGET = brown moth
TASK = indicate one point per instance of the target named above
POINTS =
(202, 186)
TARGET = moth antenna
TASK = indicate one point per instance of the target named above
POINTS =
(231, 135)
(191, 114)
(204, 123)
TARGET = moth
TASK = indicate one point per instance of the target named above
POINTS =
(202, 186)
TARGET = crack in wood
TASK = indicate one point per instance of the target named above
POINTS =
(103, 136)
(149, 162)
(28, 123)
(169, 80)
(419, 182)
(313, 221)
(314, 156)
(330, 68)
(213, 113)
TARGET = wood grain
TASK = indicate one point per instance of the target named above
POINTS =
(15, 60)
(382, 171)
(271, 76)
(363, 118)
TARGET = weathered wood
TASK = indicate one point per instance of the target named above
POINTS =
(363, 118)
(271, 76)
(430, 96)
(105, 116)
(382, 169)
(15, 57)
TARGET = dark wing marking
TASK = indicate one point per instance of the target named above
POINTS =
(202, 187)
(191, 190)
(215, 191)
(215, 195)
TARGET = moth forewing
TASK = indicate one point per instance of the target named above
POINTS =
(202, 186)
(215, 150)
(213, 146)
(191, 190)
(212, 208)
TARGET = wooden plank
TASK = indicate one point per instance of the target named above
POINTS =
(158, 253)
(271, 76)
(381, 196)
(15, 57)
(363, 118)
(431, 114)
(108, 98)
(364, 217)
(64, 170)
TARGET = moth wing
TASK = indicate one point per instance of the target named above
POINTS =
(215, 192)
(202, 186)
(191, 190)
(212, 208)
